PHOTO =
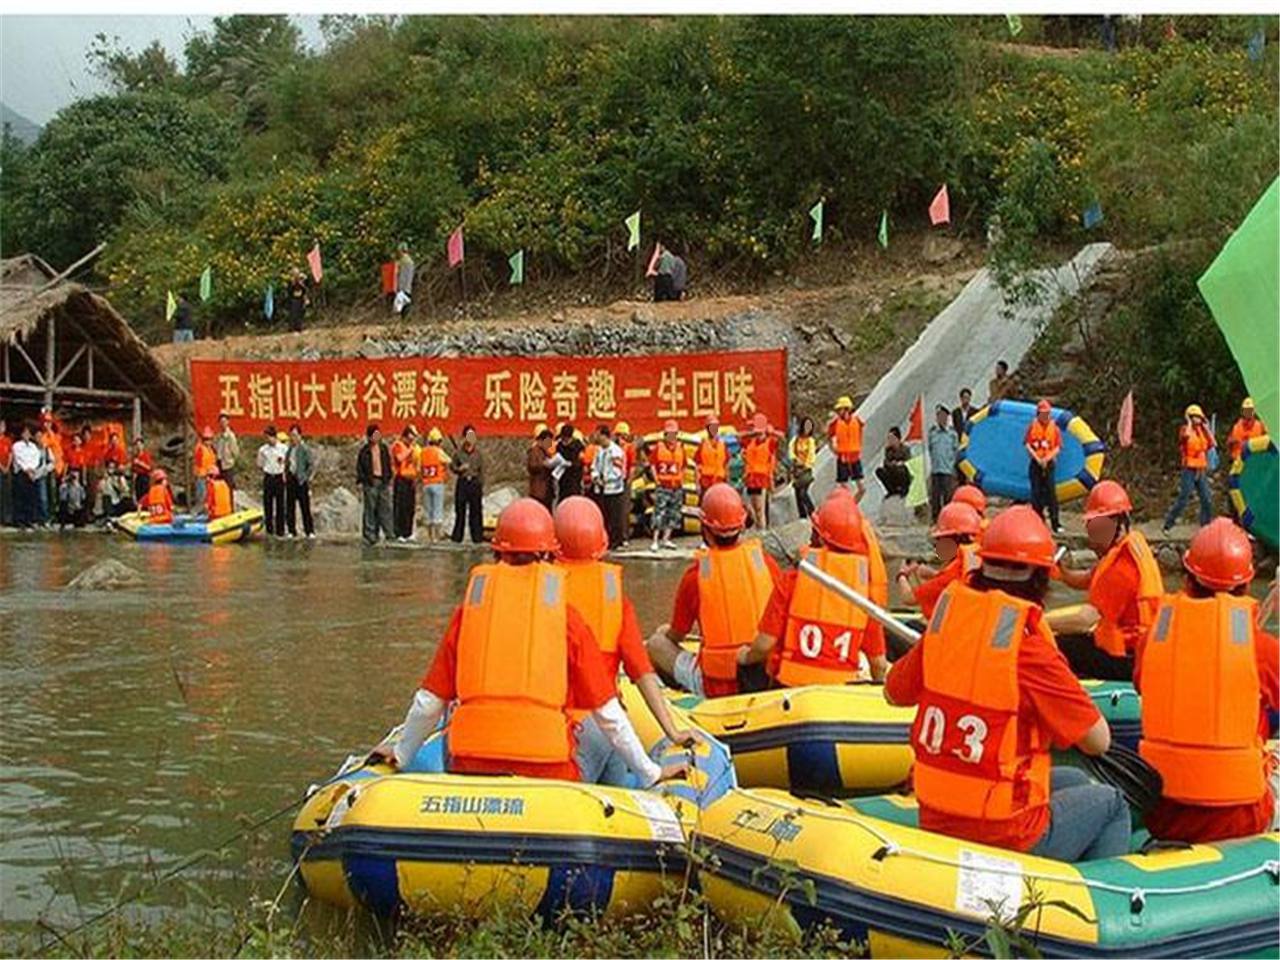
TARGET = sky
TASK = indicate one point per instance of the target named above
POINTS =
(42, 58)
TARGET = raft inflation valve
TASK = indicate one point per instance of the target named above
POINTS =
(1273, 870)
(1137, 901)
(888, 850)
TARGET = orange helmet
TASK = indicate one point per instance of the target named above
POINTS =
(1106, 499)
(159, 476)
(579, 527)
(207, 433)
(839, 521)
(525, 526)
(1018, 536)
(971, 495)
(1220, 556)
(722, 510)
(957, 520)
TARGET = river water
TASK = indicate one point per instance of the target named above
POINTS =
(141, 726)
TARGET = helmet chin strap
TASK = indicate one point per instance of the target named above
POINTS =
(1018, 574)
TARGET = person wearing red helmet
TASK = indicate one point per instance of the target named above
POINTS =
(810, 635)
(1124, 589)
(158, 503)
(218, 500)
(517, 658)
(595, 590)
(1208, 677)
(973, 496)
(955, 539)
(667, 461)
(1043, 442)
(725, 591)
(993, 696)
(760, 460)
(203, 461)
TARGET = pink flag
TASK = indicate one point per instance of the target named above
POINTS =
(940, 209)
(313, 260)
(1124, 424)
(455, 248)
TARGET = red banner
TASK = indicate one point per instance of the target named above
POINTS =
(499, 396)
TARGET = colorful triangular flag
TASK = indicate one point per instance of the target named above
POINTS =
(389, 277)
(170, 307)
(1014, 22)
(918, 493)
(940, 208)
(883, 235)
(206, 284)
(1092, 215)
(517, 268)
(455, 248)
(1124, 423)
(815, 214)
(269, 302)
(915, 422)
(633, 230)
(313, 261)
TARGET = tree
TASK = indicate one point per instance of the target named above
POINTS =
(14, 216)
(235, 62)
(127, 72)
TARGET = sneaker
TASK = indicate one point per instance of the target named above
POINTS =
(311, 536)
(668, 544)
(653, 547)
(1058, 530)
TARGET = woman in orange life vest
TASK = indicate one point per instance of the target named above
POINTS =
(845, 430)
(725, 590)
(594, 589)
(1124, 589)
(1208, 677)
(712, 457)
(811, 635)
(517, 658)
(993, 695)
(955, 539)
(760, 460)
(158, 503)
(217, 498)
(1195, 440)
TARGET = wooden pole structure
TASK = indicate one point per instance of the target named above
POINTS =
(50, 366)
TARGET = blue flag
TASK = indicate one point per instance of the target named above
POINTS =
(269, 302)
(1257, 43)
(1092, 215)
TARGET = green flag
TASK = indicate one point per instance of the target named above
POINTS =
(633, 230)
(1015, 23)
(170, 307)
(918, 493)
(206, 284)
(517, 268)
(883, 236)
(815, 212)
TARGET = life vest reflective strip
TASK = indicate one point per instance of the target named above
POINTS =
(713, 461)
(668, 464)
(757, 457)
(969, 761)
(824, 631)
(1044, 437)
(513, 666)
(734, 586)
(848, 435)
(403, 461)
(1110, 636)
(1195, 447)
(1200, 694)
(159, 504)
(434, 462)
(219, 501)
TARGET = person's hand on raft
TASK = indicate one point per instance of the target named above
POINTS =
(675, 770)
(383, 753)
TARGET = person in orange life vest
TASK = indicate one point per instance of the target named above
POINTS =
(845, 431)
(517, 658)
(594, 589)
(712, 457)
(75, 455)
(158, 503)
(1124, 588)
(993, 695)
(725, 590)
(404, 488)
(974, 497)
(435, 470)
(114, 452)
(667, 461)
(622, 436)
(1195, 440)
(1208, 677)
(955, 540)
(810, 635)
(141, 466)
(760, 460)
(590, 483)
(203, 461)
(1249, 425)
(218, 501)
(1043, 442)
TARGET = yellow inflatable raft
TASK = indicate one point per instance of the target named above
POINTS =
(240, 525)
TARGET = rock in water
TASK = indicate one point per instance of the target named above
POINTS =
(107, 575)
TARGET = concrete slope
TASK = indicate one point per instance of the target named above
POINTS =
(959, 348)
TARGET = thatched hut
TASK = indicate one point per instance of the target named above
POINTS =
(66, 348)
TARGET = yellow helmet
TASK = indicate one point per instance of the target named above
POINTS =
(1193, 410)
(623, 427)
(282, 437)
(537, 431)
(1247, 404)
(434, 435)
(844, 403)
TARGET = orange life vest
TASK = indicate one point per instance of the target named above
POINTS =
(848, 434)
(595, 591)
(824, 631)
(1195, 443)
(713, 461)
(434, 463)
(1244, 431)
(403, 460)
(964, 563)
(1200, 691)
(668, 464)
(218, 499)
(734, 586)
(513, 666)
(53, 443)
(588, 458)
(969, 759)
(1044, 438)
(1111, 636)
(205, 458)
(158, 503)
(757, 457)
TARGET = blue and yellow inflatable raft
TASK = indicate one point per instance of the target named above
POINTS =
(240, 525)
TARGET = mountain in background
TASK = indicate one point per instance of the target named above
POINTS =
(25, 130)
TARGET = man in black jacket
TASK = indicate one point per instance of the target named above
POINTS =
(373, 473)
(570, 448)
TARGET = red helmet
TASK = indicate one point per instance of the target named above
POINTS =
(1106, 499)
(1018, 536)
(525, 526)
(722, 510)
(760, 423)
(839, 521)
(1220, 556)
(159, 476)
(971, 495)
(580, 529)
(957, 520)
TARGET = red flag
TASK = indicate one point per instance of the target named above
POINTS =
(1124, 423)
(455, 248)
(313, 260)
(915, 428)
(389, 277)
(940, 209)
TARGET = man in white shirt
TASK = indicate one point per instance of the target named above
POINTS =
(28, 461)
(271, 461)
(610, 470)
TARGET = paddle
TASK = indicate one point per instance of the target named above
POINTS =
(870, 607)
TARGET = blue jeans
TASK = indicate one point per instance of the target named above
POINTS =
(598, 762)
(184, 336)
(1199, 479)
(1087, 820)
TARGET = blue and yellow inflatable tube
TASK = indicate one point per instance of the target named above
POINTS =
(1254, 486)
(240, 525)
(993, 455)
